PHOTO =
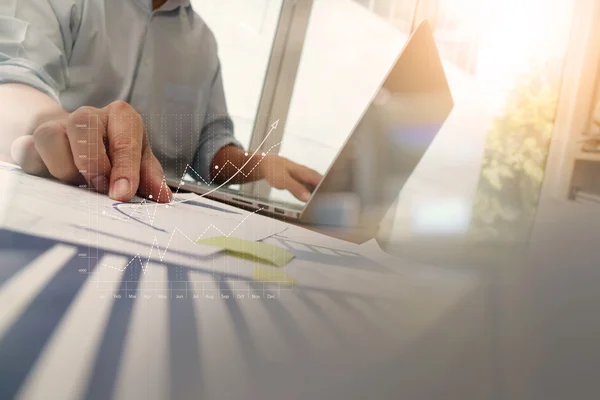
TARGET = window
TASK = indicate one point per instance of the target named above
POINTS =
(245, 31)
(457, 31)
(482, 176)
(504, 62)
(398, 13)
(501, 58)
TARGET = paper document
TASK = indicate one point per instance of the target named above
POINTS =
(154, 232)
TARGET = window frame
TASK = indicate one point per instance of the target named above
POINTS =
(578, 93)
(279, 83)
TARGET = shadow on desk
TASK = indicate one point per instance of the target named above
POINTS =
(328, 339)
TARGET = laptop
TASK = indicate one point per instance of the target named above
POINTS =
(380, 154)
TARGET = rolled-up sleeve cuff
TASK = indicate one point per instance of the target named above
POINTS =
(11, 73)
(219, 135)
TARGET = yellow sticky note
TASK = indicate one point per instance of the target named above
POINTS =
(272, 275)
(254, 251)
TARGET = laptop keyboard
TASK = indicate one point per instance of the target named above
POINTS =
(264, 202)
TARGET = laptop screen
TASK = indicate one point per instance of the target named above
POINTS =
(390, 139)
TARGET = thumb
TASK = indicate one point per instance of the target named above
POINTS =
(153, 184)
(23, 152)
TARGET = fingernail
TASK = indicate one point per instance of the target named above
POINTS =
(120, 189)
(101, 184)
(305, 197)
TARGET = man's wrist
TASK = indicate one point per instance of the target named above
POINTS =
(265, 165)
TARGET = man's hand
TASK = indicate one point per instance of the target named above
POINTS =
(282, 173)
(232, 165)
(107, 149)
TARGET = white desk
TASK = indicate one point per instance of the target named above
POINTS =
(312, 341)
(357, 322)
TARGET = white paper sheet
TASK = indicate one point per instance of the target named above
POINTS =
(151, 232)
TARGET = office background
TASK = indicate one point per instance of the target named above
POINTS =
(515, 68)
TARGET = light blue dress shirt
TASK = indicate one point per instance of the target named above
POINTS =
(93, 52)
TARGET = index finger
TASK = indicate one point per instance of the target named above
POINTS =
(125, 134)
(307, 176)
(86, 133)
(296, 188)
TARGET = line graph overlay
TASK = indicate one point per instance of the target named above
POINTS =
(154, 206)
(239, 170)
(177, 237)
(161, 255)
(227, 163)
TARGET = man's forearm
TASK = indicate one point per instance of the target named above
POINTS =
(231, 161)
(22, 109)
